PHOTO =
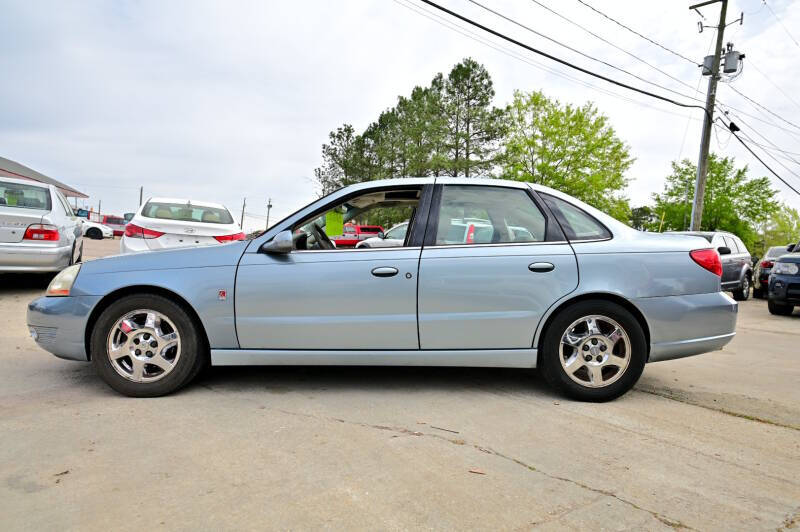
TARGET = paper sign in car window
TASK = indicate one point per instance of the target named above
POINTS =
(334, 223)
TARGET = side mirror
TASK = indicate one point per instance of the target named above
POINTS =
(724, 250)
(381, 235)
(280, 243)
(790, 248)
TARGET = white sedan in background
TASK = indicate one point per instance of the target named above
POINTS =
(164, 223)
(96, 231)
(393, 238)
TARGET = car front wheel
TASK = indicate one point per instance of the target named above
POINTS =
(779, 309)
(593, 351)
(743, 293)
(146, 346)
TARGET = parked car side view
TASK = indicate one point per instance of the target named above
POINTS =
(149, 322)
(393, 238)
(763, 268)
(355, 233)
(784, 283)
(116, 223)
(163, 223)
(96, 231)
(38, 230)
(737, 268)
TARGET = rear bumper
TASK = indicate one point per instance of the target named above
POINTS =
(784, 288)
(58, 324)
(30, 257)
(687, 325)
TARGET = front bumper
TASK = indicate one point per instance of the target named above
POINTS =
(784, 288)
(58, 324)
(682, 326)
(28, 257)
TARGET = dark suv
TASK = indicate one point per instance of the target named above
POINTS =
(784, 282)
(737, 267)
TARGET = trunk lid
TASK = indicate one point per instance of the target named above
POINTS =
(15, 220)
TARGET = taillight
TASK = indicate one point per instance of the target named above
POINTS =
(135, 231)
(708, 259)
(41, 232)
(767, 264)
(230, 238)
(471, 234)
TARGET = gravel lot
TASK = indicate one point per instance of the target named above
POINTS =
(708, 443)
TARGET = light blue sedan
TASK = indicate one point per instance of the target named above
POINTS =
(569, 290)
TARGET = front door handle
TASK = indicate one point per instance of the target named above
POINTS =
(541, 267)
(384, 271)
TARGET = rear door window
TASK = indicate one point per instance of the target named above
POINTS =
(477, 214)
(577, 224)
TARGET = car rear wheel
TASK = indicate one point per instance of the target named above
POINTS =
(779, 309)
(94, 233)
(593, 351)
(147, 346)
(743, 293)
(758, 293)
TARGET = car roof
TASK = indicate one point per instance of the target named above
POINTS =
(185, 201)
(25, 182)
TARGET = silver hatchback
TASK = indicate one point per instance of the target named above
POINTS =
(38, 230)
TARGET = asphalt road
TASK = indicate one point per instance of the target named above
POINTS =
(707, 443)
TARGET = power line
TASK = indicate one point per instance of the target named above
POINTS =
(634, 56)
(618, 23)
(752, 65)
(559, 60)
(508, 52)
(749, 99)
(782, 180)
(779, 22)
(754, 130)
(528, 28)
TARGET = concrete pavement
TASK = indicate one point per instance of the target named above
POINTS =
(707, 443)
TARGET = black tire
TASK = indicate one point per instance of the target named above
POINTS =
(94, 233)
(80, 255)
(193, 349)
(758, 293)
(743, 293)
(779, 309)
(557, 376)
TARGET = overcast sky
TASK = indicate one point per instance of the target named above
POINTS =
(224, 100)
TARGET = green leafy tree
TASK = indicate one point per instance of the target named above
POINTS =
(782, 228)
(732, 202)
(643, 218)
(569, 148)
(339, 164)
(474, 126)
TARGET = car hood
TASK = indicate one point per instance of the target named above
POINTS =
(195, 257)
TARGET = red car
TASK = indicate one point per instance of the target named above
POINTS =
(116, 223)
(353, 234)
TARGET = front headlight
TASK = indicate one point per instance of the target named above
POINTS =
(789, 268)
(62, 283)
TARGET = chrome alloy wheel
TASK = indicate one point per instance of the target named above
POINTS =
(595, 351)
(144, 346)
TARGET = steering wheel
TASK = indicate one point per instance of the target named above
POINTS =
(322, 239)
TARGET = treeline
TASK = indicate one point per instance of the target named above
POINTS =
(452, 128)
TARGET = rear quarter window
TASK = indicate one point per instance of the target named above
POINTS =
(576, 223)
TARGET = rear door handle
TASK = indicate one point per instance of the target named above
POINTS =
(384, 271)
(541, 267)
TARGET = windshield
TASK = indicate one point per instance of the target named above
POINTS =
(24, 196)
(186, 212)
(776, 251)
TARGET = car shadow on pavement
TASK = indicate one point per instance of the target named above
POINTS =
(285, 379)
(13, 282)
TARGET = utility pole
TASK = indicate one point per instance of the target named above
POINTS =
(269, 207)
(708, 119)
(99, 207)
(244, 204)
(141, 191)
